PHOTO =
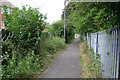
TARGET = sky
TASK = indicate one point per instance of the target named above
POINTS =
(53, 8)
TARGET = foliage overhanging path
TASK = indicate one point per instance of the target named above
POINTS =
(67, 66)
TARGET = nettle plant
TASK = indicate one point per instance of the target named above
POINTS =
(25, 25)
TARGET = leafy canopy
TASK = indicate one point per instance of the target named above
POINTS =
(92, 17)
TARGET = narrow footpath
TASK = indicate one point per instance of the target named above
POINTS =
(67, 65)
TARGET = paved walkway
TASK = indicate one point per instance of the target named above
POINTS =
(67, 65)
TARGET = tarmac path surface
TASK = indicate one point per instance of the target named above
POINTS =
(67, 65)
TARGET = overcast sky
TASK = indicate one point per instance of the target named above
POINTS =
(53, 8)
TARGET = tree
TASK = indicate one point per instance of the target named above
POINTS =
(93, 17)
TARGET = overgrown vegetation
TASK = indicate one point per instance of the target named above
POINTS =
(24, 26)
(91, 67)
(93, 17)
(26, 49)
(57, 29)
(24, 67)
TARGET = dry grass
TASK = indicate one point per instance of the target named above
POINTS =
(85, 63)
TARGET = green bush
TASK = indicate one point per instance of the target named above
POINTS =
(24, 39)
(57, 29)
(53, 44)
(69, 34)
(26, 26)
(25, 67)
(19, 66)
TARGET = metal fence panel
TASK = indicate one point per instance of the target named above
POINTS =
(109, 49)
(93, 41)
(104, 50)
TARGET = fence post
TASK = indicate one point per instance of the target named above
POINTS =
(113, 54)
(97, 44)
(116, 67)
(119, 51)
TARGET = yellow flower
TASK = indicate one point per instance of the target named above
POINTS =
(6, 52)
(7, 55)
